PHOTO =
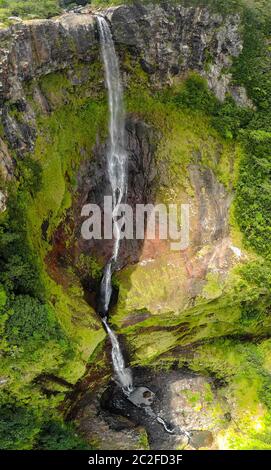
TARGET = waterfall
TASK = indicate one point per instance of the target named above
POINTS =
(117, 174)
(116, 154)
(123, 373)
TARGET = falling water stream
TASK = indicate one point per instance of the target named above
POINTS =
(117, 174)
(124, 374)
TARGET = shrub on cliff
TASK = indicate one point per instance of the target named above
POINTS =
(28, 9)
(30, 320)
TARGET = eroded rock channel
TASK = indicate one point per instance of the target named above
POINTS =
(176, 396)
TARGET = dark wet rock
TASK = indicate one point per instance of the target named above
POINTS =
(135, 317)
(93, 185)
(148, 68)
(178, 397)
(228, 416)
(138, 409)
(65, 3)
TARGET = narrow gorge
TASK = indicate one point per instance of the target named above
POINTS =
(117, 343)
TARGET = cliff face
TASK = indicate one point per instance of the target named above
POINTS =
(167, 41)
(40, 47)
(32, 50)
(171, 40)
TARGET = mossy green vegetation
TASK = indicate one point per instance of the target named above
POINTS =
(21, 428)
(253, 192)
(59, 150)
(240, 308)
(46, 328)
(55, 435)
(143, 441)
(28, 9)
(189, 133)
(245, 386)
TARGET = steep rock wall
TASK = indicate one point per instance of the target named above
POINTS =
(167, 41)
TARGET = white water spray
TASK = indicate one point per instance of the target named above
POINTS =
(117, 174)
(123, 373)
(164, 424)
(116, 154)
